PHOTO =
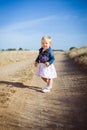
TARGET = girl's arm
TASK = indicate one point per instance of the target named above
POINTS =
(37, 59)
(52, 58)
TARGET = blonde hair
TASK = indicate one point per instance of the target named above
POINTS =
(47, 39)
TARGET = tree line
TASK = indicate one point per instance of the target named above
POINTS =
(13, 49)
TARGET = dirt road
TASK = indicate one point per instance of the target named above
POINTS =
(25, 107)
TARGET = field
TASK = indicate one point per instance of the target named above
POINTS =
(8, 57)
(23, 106)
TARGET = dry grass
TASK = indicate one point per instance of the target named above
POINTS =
(79, 55)
(5, 94)
(26, 74)
(8, 57)
(7, 89)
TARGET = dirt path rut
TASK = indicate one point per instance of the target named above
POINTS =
(64, 108)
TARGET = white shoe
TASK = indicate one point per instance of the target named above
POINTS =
(46, 89)
(49, 87)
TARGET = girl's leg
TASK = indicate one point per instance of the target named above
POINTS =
(45, 79)
(50, 82)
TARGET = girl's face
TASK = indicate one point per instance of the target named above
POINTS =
(45, 45)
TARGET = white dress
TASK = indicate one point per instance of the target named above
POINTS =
(46, 72)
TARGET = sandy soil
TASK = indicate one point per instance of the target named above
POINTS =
(24, 107)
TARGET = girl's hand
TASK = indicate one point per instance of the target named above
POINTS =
(47, 64)
(36, 64)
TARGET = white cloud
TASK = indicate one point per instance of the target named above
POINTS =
(26, 24)
(67, 17)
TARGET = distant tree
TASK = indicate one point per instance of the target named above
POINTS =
(2, 49)
(72, 48)
(20, 49)
(57, 50)
(26, 49)
(11, 49)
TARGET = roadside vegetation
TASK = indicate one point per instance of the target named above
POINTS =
(8, 57)
(79, 55)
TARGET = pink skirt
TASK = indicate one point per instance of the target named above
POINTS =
(46, 72)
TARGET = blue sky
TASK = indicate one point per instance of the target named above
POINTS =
(24, 22)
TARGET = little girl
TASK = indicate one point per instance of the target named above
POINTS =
(44, 63)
